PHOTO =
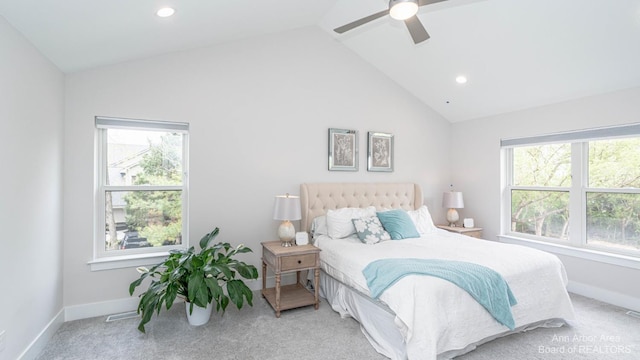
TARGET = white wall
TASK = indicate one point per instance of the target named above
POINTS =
(476, 155)
(31, 115)
(259, 112)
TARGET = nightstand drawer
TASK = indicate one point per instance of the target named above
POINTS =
(295, 262)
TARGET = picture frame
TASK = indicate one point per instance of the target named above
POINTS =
(343, 150)
(380, 152)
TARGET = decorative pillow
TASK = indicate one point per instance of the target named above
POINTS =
(422, 220)
(339, 223)
(319, 226)
(370, 230)
(398, 224)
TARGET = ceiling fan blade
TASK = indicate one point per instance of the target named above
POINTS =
(417, 31)
(364, 20)
(428, 2)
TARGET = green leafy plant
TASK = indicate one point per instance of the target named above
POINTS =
(200, 278)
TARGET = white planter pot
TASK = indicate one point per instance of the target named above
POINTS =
(200, 316)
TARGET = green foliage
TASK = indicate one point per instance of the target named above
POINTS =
(614, 218)
(544, 165)
(157, 215)
(158, 235)
(612, 199)
(201, 278)
(543, 213)
(162, 165)
(614, 163)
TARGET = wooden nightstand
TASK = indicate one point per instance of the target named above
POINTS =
(473, 232)
(288, 259)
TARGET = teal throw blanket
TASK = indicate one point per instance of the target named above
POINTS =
(485, 285)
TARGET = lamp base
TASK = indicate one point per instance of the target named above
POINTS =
(286, 243)
(452, 217)
(286, 233)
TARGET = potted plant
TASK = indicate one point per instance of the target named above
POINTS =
(201, 278)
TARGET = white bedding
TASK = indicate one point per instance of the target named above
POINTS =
(435, 316)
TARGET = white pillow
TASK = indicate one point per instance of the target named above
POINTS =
(339, 223)
(319, 226)
(422, 220)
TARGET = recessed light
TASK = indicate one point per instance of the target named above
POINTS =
(166, 12)
(461, 79)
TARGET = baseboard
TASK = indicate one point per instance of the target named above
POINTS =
(610, 297)
(36, 346)
(103, 308)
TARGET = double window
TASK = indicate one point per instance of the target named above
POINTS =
(579, 189)
(141, 186)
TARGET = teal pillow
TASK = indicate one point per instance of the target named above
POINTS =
(398, 224)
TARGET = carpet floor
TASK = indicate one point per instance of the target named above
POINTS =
(601, 331)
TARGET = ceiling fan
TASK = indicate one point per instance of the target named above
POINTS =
(405, 10)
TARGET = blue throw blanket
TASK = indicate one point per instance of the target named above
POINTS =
(485, 285)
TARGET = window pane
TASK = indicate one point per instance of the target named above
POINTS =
(142, 219)
(613, 220)
(542, 165)
(136, 157)
(542, 213)
(614, 163)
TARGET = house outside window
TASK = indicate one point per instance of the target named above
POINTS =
(141, 187)
(579, 189)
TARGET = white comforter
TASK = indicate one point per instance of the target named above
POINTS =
(435, 316)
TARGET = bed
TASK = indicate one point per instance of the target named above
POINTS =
(424, 317)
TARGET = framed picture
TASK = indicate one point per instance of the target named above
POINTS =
(343, 150)
(380, 152)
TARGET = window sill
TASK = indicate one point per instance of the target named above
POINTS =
(587, 254)
(127, 261)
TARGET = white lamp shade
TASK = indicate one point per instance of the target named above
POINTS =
(287, 207)
(452, 200)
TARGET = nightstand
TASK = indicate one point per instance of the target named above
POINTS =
(473, 232)
(283, 260)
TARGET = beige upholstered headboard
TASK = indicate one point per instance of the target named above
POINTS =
(316, 199)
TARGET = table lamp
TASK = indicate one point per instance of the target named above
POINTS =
(287, 208)
(452, 200)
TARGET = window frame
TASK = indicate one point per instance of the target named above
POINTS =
(103, 259)
(576, 244)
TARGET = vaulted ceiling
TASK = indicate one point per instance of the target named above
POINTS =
(516, 54)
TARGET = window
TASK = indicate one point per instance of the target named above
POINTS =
(540, 191)
(612, 197)
(579, 189)
(141, 187)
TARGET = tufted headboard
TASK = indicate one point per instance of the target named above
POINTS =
(316, 199)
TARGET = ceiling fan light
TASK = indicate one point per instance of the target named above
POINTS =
(403, 9)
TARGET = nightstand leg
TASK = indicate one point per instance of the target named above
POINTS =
(316, 280)
(264, 277)
(277, 295)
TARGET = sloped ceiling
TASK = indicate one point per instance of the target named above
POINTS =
(516, 54)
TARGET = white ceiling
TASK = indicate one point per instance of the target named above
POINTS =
(516, 54)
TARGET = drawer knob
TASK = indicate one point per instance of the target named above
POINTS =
(299, 261)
